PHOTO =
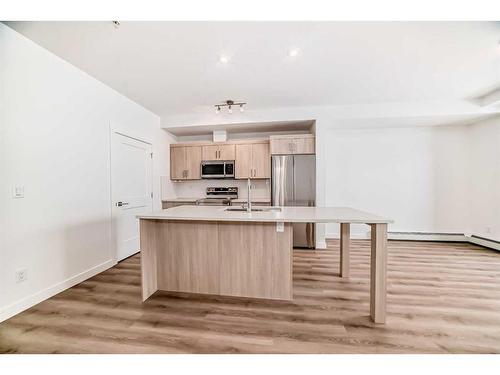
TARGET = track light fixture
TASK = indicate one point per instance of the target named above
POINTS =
(229, 104)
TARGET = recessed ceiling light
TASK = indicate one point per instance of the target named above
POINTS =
(293, 52)
(224, 59)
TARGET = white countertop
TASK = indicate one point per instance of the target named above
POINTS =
(181, 199)
(237, 201)
(287, 214)
(244, 200)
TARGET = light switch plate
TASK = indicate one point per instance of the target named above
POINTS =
(18, 192)
(280, 227)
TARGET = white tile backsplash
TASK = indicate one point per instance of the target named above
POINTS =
(194, 189)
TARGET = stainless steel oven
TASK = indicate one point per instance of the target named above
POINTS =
(218, 196)
(217, 169)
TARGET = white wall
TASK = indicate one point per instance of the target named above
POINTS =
(414, 175)
(484, 179)
(55, 142)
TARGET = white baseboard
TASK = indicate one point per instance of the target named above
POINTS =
(29, 301)
(321, 244)
(425, 236)
(484, 242)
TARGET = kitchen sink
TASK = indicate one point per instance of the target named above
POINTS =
(241, 209)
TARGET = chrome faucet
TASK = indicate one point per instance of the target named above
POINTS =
(249, 202)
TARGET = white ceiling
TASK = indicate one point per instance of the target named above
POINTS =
(173, 67)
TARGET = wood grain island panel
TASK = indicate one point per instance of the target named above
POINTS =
(241, 259)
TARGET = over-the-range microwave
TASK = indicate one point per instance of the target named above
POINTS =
(217, 169)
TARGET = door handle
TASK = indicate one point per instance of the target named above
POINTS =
(119, 204)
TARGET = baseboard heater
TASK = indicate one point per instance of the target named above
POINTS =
(427, 236)
(444, 237)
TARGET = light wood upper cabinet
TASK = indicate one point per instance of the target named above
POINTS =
(193, 163)
(261, 160)
(281, 146)
(227, 152)
(292, 144)
(177, 163)
(185, 163)
(218, 152)
(304, 145)
(243, 161)
(253, 161)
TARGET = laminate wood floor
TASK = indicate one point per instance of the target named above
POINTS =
(442, 298)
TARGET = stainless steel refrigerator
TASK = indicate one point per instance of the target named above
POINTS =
(294, 184)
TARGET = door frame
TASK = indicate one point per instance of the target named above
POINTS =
(113, 129)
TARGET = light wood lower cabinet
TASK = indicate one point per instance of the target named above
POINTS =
(185, 163)
(253, 161)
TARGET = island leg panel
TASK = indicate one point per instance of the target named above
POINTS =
(148, 243)
(256, 260)
(345, 249)
(378, 272)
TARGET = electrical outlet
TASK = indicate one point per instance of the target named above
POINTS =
(488, 230)
(21, 275)
(280, 227)
(18, 192)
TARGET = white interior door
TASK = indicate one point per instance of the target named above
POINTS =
(131, 190)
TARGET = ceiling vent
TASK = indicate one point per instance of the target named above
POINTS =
(219, 135)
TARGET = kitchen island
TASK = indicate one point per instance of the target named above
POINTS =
(216, 250)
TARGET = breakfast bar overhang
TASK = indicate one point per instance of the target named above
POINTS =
(212, 250)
